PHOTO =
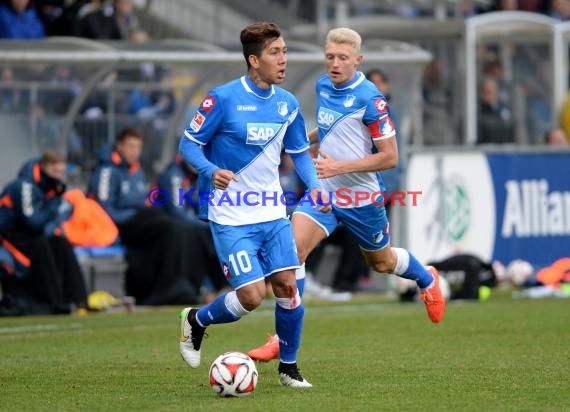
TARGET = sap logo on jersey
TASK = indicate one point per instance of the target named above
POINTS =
(261, 133)
(326, 117)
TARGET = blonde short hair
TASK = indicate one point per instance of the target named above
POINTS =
(344, 35)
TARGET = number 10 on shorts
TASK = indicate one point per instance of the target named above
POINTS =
(240, 262)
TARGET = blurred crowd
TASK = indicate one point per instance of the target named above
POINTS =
(91, 19)
(117, 19)
(558, 9)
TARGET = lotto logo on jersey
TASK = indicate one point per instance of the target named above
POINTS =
(326, 117)
(226, 270)
(381, 105)
(197, 122)
(208, 103)
(261, 133)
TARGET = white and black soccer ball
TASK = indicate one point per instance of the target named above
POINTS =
(233, 374)
(519, 271)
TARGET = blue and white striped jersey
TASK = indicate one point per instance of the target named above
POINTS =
(350, 118)
(243, 128)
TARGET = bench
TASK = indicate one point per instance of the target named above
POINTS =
(92, 259)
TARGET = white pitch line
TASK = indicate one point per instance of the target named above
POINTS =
(36, 328)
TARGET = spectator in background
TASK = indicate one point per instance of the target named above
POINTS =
(53, 103)
(11, 98)
(19, 21)
(128, 22)
(98, 22)
(493, 69)
(556, 137)
(164, 257)
(559, 9)
(437, 110)
(45, 277)
(112, 20)
(50, 12)
(147, 104)
(495, 120)
(60, 17)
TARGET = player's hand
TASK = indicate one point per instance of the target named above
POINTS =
(326, 166)
(321, 199)
(222, 178)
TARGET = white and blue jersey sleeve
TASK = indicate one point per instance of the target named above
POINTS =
(205, 123)
(243, 128)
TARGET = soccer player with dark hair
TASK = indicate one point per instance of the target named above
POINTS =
(357, 141)
(234, 141)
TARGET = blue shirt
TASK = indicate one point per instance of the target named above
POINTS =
(26, 25)
(243, 128)
(350, 118)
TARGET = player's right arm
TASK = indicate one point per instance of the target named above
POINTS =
(201, 130)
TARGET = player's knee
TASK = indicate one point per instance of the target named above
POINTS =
(251, 298)
(382, 267)
(285, 288)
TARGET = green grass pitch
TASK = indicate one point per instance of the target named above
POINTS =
(369, 354)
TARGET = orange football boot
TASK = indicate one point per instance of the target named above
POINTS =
(266, 352)
(433, 298)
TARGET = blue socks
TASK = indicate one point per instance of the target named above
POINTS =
(226, 308)
(289, 325)
(408, 267)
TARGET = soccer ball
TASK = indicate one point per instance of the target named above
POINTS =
(233, 374)
(519, 271)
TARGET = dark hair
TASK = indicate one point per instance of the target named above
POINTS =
(50, 157)
(376, 72)
(126, 132)
(255, 36)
